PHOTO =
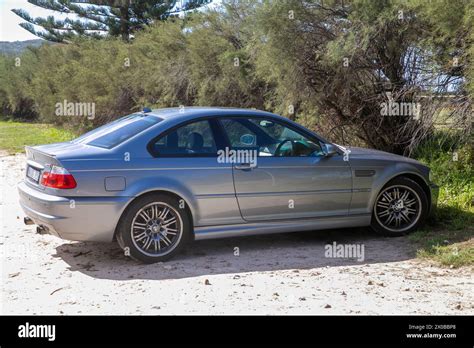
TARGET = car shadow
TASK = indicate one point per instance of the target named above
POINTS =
(264, 253)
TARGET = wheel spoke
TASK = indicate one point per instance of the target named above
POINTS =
(389, 219)
(387, 196)
(145, 216)
(396, 193)
(148, 243)
(397, 221)
(383, 213)
(405, 195)
(405, 217)
(141, 236)
(410, 202)
(164, 213)
(152, 212)
(169, 222)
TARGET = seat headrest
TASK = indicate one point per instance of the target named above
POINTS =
(195, 141)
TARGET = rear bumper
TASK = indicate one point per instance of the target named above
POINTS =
(434, 198)
(78, 218)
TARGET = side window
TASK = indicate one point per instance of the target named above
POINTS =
(269, 138)
(238, 134)
(194, 139)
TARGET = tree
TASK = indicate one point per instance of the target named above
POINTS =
(99, 17)
(344, 61)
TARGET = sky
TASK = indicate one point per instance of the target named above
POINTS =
(9, 22)
(9, 28)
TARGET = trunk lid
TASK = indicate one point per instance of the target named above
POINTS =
(39, 158)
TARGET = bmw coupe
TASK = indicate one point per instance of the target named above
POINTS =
(157, 179)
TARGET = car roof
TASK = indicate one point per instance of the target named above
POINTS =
(175, 116)
(189, 112)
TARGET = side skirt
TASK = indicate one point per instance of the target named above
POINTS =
(281, 226)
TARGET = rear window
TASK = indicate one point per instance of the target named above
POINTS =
(116, 132)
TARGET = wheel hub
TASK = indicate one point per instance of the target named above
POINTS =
(397, 205)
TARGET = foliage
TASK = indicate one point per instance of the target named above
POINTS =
(344, 60)
(284, 56)
(449, 240)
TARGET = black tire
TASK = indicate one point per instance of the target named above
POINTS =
(130, 240)
(385, 210)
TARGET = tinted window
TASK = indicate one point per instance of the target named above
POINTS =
(269, 138)
(193, 139)
(116, 132)
(239, 135)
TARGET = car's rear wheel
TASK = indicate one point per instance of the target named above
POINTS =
(400, 208)
(154, 228)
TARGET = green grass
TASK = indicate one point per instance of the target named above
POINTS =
(452, 248)
(15, 135)
(449, 238)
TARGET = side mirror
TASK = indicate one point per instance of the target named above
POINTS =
(329, 150)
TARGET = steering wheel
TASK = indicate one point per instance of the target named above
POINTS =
(278, 149)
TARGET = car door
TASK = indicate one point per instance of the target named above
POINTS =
(290, 178)
(186, 163)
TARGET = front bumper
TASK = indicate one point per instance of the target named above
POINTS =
(434, 189)
(78, 218)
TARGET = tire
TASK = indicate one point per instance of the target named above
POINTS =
(396, 214)
(146, 231)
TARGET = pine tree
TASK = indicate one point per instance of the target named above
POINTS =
(98, 17)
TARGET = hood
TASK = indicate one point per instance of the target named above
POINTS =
(360, 152)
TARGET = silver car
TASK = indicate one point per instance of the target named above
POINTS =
(156, 180)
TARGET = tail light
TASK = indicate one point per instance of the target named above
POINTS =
(58, 177)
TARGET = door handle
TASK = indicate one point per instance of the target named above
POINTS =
(245, 166)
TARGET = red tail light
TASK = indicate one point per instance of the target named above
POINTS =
(59, 178)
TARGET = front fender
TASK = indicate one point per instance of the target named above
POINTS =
(389, 173)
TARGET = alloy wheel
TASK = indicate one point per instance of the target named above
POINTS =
(398, 208)
(156, 229)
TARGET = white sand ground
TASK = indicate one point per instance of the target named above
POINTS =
(277, 274)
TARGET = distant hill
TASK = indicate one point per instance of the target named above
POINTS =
(16, 47)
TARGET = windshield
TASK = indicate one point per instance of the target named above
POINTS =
(116, 132)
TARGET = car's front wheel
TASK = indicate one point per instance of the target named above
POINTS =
(400, 208)
(154, 228)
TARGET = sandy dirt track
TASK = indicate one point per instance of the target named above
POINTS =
(273, 274)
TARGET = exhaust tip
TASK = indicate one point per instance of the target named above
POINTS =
(28, 221)
(41, 230)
